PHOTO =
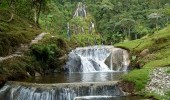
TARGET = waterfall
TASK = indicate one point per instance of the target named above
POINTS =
(82, 59)
(81, 10)
(65, 91)
(97, 59)
(68, 30)
(91, 27)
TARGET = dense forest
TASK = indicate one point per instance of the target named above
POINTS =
(135, 25)
(116, 20)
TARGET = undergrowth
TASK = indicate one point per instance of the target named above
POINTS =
(15, 32)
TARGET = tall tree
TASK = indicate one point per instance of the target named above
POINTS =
(126, 26)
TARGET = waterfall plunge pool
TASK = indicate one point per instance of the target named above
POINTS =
(77, 77)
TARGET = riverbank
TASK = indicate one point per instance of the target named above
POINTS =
(147, 54)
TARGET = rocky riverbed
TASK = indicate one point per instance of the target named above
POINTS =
(159, 81)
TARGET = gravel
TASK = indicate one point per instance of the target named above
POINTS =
(159, 81)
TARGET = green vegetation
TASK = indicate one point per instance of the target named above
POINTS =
(49, 53)
(158, 56)
(168, 71)
(117, 20)
(15, 32)
(145, 22)
(18, 68)
(86, 39)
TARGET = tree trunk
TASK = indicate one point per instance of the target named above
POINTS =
(38, 13)
(35, 16)
(129, 34)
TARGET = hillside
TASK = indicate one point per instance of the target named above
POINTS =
(14, 32)
(147, 54)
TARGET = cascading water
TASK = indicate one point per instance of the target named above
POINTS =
(97, 59)
(81, 10)
(72, 91)
(86, 59)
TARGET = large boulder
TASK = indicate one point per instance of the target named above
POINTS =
(118, 60)
(74, 62)
(144, 53)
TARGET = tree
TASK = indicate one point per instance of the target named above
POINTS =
(126, 26)
(37, 8)
(154, 17)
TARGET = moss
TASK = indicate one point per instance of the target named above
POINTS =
(159, 56)
(158, 63)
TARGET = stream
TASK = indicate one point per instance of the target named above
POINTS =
(92, 73)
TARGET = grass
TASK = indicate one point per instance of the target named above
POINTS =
(139, 77)
(168, 71)
(159, 56)
(135, 45)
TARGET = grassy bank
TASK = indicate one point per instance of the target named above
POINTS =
(157, 46)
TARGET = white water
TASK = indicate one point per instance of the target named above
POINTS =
(66, 91)
(85, 59)
(92, 97)
(97, 59)
(81, 10)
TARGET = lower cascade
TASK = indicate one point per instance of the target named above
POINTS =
(85, 60)
(65, 91)
(97, 59)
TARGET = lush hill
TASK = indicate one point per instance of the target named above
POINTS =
(147, 53)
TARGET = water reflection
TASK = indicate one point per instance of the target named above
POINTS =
(77, 77)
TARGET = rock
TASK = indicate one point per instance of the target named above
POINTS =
(127, 87)
(118, 59)
(144, 52)
(37, 74)
(159, 81)
(28, 74)
(63, 57)
(2, 80)
(74, 62)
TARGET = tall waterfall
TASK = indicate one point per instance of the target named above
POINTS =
(66, 91)
(97, 59)
(81, 10)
